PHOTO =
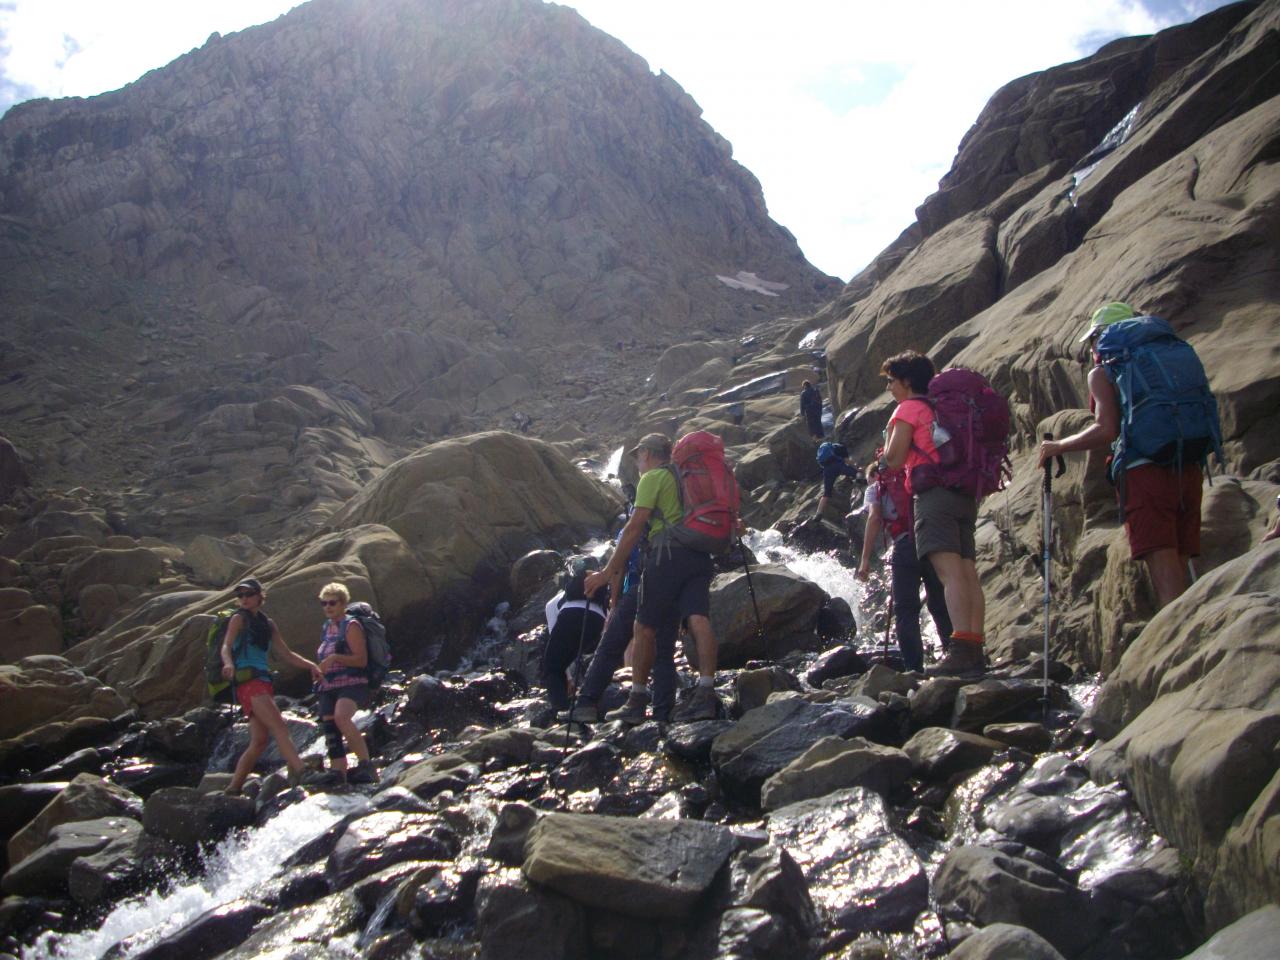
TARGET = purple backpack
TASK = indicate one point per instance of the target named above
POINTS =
(971, 433)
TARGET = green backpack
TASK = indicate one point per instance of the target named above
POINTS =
(221, 690)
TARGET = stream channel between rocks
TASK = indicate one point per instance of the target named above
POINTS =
(828, 850)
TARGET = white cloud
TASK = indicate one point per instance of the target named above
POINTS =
(848, 111)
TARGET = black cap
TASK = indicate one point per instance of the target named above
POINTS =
(250, 584)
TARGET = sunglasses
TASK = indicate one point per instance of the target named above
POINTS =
(330, 603)
(240, 595)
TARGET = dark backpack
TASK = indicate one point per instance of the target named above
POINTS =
(375, 641)
(971, 434)
(1168, 414)
(709, 496)
(829, 452)
(573, 580)
(220, 689)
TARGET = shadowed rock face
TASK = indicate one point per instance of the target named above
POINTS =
(408, 208)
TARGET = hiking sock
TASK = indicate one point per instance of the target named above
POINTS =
(708, 682)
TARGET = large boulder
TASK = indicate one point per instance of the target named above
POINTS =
(85, 798)
(641, 868)
(1194, 716)
(13, 475)
(219, 562)
(29, 632)
(190, 819)
(48, 689)
(135, 567)
(1005, 941)
(788, 606)
(45, 871)
(1253, 937)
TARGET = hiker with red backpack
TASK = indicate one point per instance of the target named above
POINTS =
(950, 433)
(687, 506)
(1152, 405)
(889, 512)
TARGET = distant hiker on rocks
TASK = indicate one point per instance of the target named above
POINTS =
(574, 622)
(889, 510)
(945, 493)
(1152, 404)
(1274, 532)
(833, 458)
(250, 635)
(676, 583)
(811, 408)
(343, 687)
(618, 631)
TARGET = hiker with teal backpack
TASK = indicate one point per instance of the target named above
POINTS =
(250, 635)
(1152, 405)
(343, 687)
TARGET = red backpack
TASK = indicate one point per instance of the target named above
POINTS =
(708, 494)
(971, 434)
(892, 485)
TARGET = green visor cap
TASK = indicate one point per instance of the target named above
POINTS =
(1113, 311)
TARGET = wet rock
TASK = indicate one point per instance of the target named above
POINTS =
(938, 753)
(988, 886)
(379, 840)
(45, 745)
(881, 679)
(1032, 737)
(641, 868)
(644, 738)
(1005, 941)
(836, 620)
(128, 863)
(768, 738)
(505, 747)
(399, 799)
(434, 775)
(587, 769)
(303, 933)
(85, 798)
(1252, 937)
(833, 764)
(992, 700)
(788, 606)
(189, 738)
(45, 870)
(769, 879)
(19, 804)
(436, 895)
(838, 662)
(510, 831)
(189, 818)
(862, 876)
(145, 778)
(88, 760)
(213, 932)
(516, 920)
(934, 701)
(751, 688)
(232, 741)
(1150, 906)
(530, 572)
(749, 934)
(692, 741)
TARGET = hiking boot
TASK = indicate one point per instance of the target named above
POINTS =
(587, 711)
(702, 704)
(965, 657)
(295, 776)
(362, 773)
(632, 712)
(231, 791)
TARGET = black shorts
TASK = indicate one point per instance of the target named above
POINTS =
(675, 586)
(326, 700)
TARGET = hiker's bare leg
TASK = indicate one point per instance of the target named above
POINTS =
(257, 743)
(644, 640)
(977, 599)
(959, 577)
(1168, 572)
(266, 712)
(704, 641)
(343, 715)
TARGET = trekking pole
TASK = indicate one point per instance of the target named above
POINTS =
(751, 588)
(1046, 534)
(888, 607)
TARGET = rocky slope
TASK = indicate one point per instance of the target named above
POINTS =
(277, 263)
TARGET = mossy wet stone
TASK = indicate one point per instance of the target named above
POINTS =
(768, 738)
(862, 876)
(640, 868)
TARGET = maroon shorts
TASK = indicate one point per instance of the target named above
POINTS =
(245, 692)
(1162, 509)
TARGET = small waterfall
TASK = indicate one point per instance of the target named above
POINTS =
(238, 867)
(1116, 136)
(614, 466)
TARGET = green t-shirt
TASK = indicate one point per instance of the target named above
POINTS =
(657, 491)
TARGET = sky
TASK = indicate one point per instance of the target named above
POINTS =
(848, 111)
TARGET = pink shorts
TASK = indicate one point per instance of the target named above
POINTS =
(245, 692)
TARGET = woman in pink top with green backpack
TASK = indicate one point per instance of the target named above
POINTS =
(945, 518)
